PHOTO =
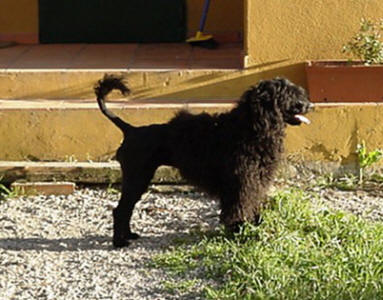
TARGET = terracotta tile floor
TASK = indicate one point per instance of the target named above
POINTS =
(121, 56)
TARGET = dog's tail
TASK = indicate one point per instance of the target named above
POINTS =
(102, 89)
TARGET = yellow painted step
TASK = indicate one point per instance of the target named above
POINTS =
(77, 131)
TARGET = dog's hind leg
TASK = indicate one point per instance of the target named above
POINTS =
(133, 186)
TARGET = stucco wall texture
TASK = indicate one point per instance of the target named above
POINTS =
(19, 16)
(53, 134)
(297, 30)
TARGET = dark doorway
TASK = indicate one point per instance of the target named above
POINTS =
(112, 21)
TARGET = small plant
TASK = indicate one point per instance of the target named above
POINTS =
(71, 158)
(367, 44)
(367, 159)
(4, 191)
(378, 178)
(112, 190)
(12, 192)
(347, 182)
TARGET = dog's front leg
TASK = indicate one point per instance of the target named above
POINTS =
(235, 211)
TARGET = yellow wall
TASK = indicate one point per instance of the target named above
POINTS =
(224, 16)
(18, 17)
(297, 30)
(40, 134)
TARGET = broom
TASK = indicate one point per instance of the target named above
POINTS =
(201, 39)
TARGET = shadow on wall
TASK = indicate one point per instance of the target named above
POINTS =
(219, 86)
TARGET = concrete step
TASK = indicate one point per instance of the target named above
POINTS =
(168, 84)
(77, 131)
(69, 71)
(81, 172)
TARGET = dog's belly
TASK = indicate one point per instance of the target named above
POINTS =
(208, 183)
(207, 174)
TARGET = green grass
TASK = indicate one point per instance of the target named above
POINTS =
(350, 182)
(347, 182)
(4, 192)
(298, 252)
(180, 285)
(8, 192)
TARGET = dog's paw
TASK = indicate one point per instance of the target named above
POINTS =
(120, 243)
(234, 228)
(133, 236)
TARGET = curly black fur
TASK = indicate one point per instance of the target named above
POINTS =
(231, 155)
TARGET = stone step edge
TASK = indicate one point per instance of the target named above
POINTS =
(92, 104)
(109, 172)
(79, 172)
(43, 188)
(46, 104)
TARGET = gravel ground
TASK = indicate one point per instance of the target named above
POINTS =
(60, 247)
(365, 203)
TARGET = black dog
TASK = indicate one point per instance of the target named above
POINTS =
(231, 155)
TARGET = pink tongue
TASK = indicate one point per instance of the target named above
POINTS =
(302, 119)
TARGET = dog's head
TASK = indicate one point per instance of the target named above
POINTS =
(281, 98)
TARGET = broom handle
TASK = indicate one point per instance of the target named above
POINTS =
(204, 15)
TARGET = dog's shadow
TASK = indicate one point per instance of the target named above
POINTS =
(92, 242)
(56, 245)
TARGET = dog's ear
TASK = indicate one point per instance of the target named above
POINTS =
(266, 92)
